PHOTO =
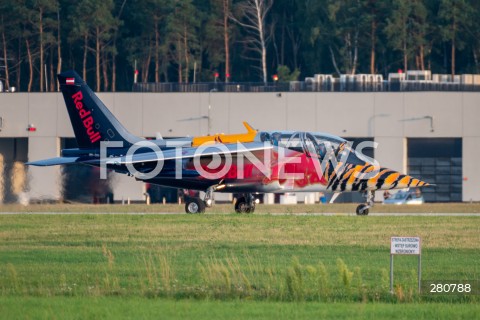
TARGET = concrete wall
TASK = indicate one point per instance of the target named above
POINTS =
(388, 117)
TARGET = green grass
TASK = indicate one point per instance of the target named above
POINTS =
(136, 308)
(254, 262)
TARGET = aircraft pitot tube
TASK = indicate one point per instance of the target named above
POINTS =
(365, 177)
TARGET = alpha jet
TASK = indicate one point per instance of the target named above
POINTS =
(251, 163)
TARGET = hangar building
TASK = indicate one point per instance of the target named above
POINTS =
(432, 135)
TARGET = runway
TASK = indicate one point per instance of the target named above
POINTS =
(328, 214)
(384, 214)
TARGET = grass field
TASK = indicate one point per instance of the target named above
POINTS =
(138, 308)
(228, 265)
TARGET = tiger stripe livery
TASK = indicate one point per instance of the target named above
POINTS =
(367, 177)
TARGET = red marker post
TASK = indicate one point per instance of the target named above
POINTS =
(275, 79)
(135, 76)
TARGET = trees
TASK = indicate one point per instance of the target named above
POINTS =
(218, 36)
(41, 15)
(252, 16)
(475, 37)
(7, 13)
(27, 25)
(102, 27)
(373, 22)
(144, 39)
(95, 25)
(114, 48)
(226, 5)
(160, 11)
(285, 32)
(346, 26)
(168, 39)
(182, 35)
(458, 17)
(406, 30)
(345, 31)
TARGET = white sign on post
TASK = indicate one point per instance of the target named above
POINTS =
(405, 245)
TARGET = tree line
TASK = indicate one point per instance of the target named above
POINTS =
(231, 40)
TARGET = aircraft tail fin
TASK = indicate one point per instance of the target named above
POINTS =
(91, 120)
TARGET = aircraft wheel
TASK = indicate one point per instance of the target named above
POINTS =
(362, 210)
(242, 206)
(194, 205)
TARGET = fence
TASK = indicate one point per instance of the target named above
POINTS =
(356, 83)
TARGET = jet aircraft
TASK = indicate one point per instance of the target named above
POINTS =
(252, 163)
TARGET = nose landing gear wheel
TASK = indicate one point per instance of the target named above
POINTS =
(362, 210)
(194, 205)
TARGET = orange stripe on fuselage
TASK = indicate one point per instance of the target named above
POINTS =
(405, 180)
(372, 182)
(335, 171)
(391, 179)
(348, 174)
(369, 169)
(352, 177)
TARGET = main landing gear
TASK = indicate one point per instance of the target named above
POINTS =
(363, 209)
(245, 204)
(194, 205)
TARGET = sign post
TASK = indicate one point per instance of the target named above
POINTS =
(408, 246)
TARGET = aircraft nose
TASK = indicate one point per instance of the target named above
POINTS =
(369, 177)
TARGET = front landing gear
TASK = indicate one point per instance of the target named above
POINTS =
(363, 209)
(197, 205)
(245, 204)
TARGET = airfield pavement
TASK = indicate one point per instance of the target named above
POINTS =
(329, 214)
(428, 209)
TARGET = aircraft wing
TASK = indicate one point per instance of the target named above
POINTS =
(188, 153)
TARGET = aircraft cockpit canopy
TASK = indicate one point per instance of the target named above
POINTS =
(314, 144)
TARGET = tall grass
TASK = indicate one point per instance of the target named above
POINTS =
(158, 276)
(220, 279)
(223, 279)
